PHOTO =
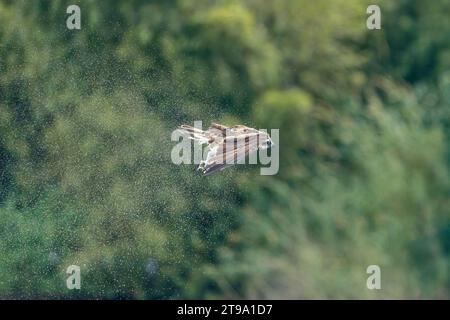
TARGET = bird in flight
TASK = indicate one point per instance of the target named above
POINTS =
(226, 146)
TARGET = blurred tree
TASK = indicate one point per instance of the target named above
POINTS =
(85, 171)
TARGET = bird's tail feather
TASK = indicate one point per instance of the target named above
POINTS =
(194, 133)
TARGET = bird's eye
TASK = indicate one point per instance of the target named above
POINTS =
(269, 143)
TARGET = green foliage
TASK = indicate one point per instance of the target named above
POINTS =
(85, 171)
(391, 211)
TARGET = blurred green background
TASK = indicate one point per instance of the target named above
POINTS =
(85, 171)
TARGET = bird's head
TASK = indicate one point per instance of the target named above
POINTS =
(267, 143)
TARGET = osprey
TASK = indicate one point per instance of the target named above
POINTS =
(226, 146)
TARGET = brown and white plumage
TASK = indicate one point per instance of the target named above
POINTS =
(224, 143)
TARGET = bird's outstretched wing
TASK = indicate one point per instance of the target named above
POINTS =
(223, 158)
